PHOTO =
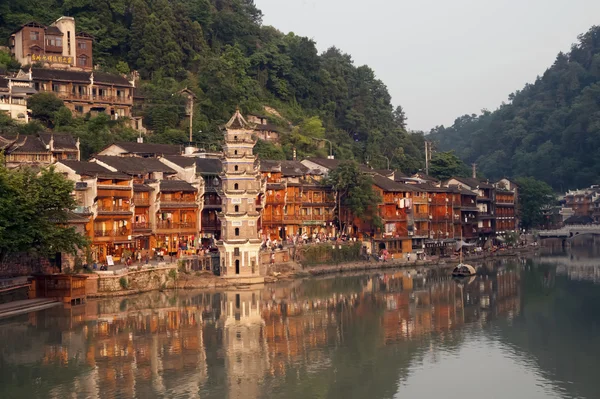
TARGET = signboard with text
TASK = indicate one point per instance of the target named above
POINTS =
(58, 59)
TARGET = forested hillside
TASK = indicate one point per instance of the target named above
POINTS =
(549, 130)
(221, 51)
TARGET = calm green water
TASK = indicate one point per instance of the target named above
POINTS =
(526, 330)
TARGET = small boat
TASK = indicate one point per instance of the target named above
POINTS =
(464, 270)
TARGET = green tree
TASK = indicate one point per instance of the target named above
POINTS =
(44, 107)
(534, 195)
(34, 211)
(355, 194)
(444, 165)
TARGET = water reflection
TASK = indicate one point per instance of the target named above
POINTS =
(352, 336)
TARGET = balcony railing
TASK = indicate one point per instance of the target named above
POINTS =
(114, 208)
(421, 216)
(82, 209)
(112, 233)
(313, 217)
(141, 201)
(484, 229)
(141, 226)
(210, 226)
(421, 233)
(272, 218)
(167, 224)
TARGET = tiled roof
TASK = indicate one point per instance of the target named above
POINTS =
(28, 144)
(150, 148)
(135, 165)
(54, 31)
(208, 166)
(267, 127)
(109, 78)
(325, 162)
(138, 188)
(389, 185)
(79, 76)
(181, 161)
(237, 121)
(175, 185)
(62, 141)
(60, 74)
(473, 183)
(93, 169)
(293, 168)
(269, 165)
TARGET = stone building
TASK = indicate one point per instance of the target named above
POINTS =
(241, 186)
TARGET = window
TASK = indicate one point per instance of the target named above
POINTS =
(236, 208)
(235, 168)
(79, 109)
(237, 231)
(235, 152)
(236, 251)
(236, 186)
(54, 41)
(34, 35)
(82, 45)
(69, 42)
(82, 61)
(55, 88)
(235, 138)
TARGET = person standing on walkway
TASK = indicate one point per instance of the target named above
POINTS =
(408, 256)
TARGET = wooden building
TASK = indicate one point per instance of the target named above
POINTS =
(38, 150)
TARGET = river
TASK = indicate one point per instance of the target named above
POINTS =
(525, 329)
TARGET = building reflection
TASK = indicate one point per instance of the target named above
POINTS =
(178, 344)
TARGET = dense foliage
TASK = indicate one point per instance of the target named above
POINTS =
(34, 212)
(355, 193)
(220, 50)
(534, 196)
(550, 130)
(445, 165)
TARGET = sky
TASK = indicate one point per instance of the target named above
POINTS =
(441, 59)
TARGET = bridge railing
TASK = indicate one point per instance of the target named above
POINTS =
(567, 230)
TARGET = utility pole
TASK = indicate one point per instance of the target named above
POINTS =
(427, 156)
(191, 116)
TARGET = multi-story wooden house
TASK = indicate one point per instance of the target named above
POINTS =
(273, 222)
(177, 229)
(468, 214)
(395, 212)
(106, 198)
(84, 92)
(38, 150)
(505, 211)
(146, 174)
(486, 204)
(203, 173)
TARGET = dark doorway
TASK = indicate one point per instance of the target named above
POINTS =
(237, 266)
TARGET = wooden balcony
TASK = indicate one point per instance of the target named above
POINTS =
(112, 235)
(166, 225)
(421, 233)
(140, 201)
(210, 226)
(272, 218)
(113, 209)
(421, 216)
(141, 226)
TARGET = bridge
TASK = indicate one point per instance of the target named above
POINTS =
(570, 231)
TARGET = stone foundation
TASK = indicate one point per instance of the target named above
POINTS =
(146, 279)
